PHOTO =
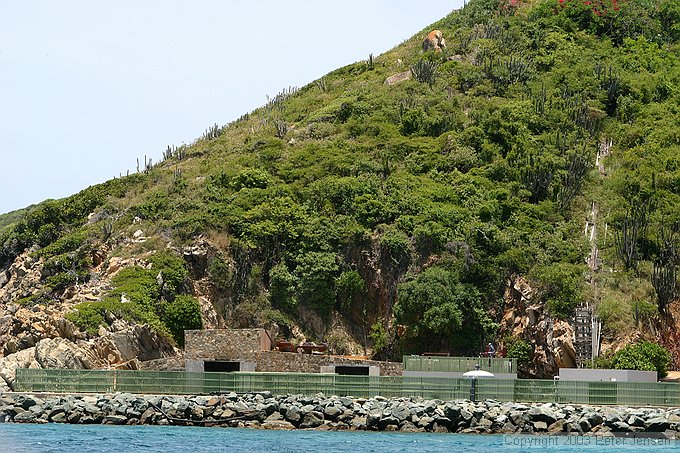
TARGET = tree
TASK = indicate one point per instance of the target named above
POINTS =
(436, 307)
(643, 355)
(315, 273)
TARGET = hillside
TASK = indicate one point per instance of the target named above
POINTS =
(396, 204)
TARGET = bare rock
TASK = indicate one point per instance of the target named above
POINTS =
(140, 342)
(396, 78)
(312, 419)
(277, 425)
(525, 318)
(434, 41)
(61, 353)
(10, 363)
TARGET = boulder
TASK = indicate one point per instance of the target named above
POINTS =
(542, 414)
(400, 412)
(115, 420)
(61, 353)
(25, 417)
(657, 424)
(634, 420)
(293, 414)
(409, 427)
(277, 425)
(359, 423)
(312, 419)
(10, 363)
(399, 77)
(434, 41)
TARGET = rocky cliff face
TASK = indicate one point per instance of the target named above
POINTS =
(525, 318)
(37, 335)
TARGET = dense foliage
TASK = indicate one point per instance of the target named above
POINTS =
(407, 206)
(644, 355)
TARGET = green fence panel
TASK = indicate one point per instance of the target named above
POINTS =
(459, 364)
(196, 383)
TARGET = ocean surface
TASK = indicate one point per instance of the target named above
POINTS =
(27, 438)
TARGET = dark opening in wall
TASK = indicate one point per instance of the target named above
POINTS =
(222, 366)
(349, 370)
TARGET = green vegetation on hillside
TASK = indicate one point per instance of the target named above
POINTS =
(145, 295)
(408, 206)
(643, 355)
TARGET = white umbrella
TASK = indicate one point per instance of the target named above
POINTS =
(478, 374)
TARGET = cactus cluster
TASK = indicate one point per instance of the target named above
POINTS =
(322, 85)
(572, 180)
(172, 152)
(425, 71)
(281, 128)
(610, 82)
(277, 102)
(212, 132)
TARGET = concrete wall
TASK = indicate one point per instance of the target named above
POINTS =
(224, 344)
(584, 374)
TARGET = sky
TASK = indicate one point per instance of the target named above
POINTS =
(87, 88)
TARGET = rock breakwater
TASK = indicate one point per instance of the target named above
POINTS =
(263, 410)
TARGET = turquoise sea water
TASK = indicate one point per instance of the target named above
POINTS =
(57, 438)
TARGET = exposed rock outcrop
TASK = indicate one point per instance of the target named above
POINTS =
(524, 317)
(21, 278)
(121, 349)
(399, 77)
(22, 327)
(434, 41)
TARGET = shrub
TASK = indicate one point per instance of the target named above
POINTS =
(137, 284)
(395, 245)
(379, 338)
(65, 244)
(519, 349)
(561, 286)
(89, 316)
(281, 287)
(349, 286)
(643, 355)
(251, 178)
(172, 269)
(184, 313)
(430, 303)
(315, 273)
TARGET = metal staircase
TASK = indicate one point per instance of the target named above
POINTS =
(587, 332)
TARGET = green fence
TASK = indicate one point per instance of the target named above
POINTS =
(195, 383)
(459, 364)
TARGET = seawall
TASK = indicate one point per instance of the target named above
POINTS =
(263, 410)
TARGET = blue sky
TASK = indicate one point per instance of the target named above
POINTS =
(88, 87)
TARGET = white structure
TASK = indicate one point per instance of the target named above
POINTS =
(584, 374)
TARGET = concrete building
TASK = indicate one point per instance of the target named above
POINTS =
(251, 350)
